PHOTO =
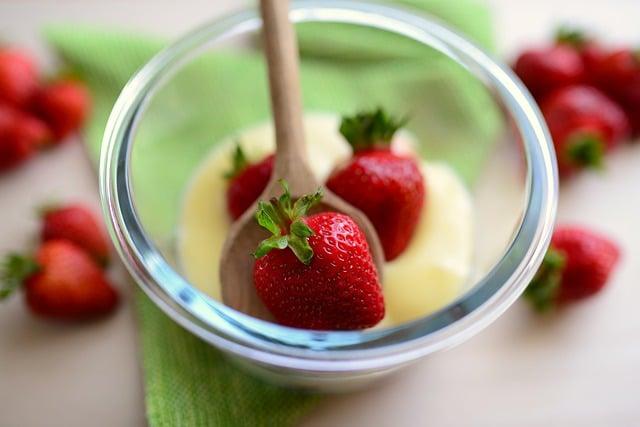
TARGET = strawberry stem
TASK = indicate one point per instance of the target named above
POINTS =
(238, 162)
(543, 289)
(65, 74)
(283, 218)
(571, 36)
(14, 269)
(370, 129)
(586, 149)
(47, 208)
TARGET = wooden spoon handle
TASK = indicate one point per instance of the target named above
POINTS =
(286, 103)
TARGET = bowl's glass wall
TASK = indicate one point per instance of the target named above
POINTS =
(146, 164)
(454, 117)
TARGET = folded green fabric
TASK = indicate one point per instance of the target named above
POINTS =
(188, 382)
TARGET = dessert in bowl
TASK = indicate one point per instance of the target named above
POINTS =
(427, 275)
(462, 268)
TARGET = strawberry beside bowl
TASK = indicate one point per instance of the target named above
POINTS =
(142, 187)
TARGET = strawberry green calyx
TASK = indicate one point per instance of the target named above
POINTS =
(47, 208)
(370, 129)
(543, 289)
(239, 162)
(284, 219)
(586, 150)
(65, 74)
(571, 36)
(14, 269)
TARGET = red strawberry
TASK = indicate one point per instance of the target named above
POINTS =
(387, 187)
(78, 225)
(14, 151)
(24, 124)
(315, 272)
(33, 129)
(618, 74)
(577, 265)
(546, 69)
(634, 118)
(64, 106)
(246, 182)
(584, 124)
(20, 136)
(18, 77)
(591, 52)
(62, 282)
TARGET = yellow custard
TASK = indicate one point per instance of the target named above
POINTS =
(430, 274)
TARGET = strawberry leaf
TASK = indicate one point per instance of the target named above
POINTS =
(286, 193)
(239, 162)
(13, 271)
(370, 129)
(301, 248)
(273, 242)
(300, 229)
(284, 201)
(284, 220)
(268, 218)
(303, 204)
(47, 208)
(571, 36)
(543, 290)
(586, 149)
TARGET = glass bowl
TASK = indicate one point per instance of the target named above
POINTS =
(513, 185)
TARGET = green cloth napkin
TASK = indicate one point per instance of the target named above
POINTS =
(188, 382)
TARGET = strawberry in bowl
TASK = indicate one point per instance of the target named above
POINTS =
(246, 182)
(388, 187)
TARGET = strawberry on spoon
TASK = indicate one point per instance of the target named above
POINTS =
(315, 272)
(388, 188)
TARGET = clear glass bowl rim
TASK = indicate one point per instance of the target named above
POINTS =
(275, 345)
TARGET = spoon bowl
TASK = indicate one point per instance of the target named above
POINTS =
(236, 263)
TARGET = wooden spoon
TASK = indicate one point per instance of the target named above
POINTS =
(291, 164)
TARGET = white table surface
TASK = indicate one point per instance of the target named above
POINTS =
(577, 369)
